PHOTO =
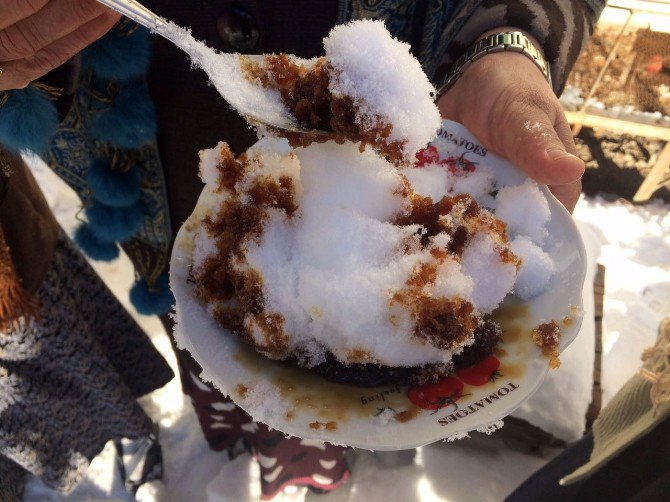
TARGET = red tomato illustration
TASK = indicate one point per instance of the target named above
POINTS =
(435, 396)
(428, 155)
(483, 372)
(458, 165)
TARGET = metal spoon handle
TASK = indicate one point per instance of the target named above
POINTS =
(141, 15)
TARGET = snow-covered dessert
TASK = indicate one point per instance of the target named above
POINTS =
(342, 255)
(368, 88)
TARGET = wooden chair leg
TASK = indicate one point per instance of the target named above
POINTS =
(597, 393)
(655, 177)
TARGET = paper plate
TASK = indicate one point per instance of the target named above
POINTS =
(301, 403)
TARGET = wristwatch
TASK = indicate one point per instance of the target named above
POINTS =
(512, 41)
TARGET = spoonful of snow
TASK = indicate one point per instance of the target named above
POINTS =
(368, 88)
(253, 101)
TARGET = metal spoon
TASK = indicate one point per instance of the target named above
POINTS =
(257, 104)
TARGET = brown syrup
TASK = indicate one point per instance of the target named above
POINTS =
(241, 390)
(512, 370)
(305, 92)
(327, 401)
(547, 336)
(329, 426)
(409, 414)
(513, 334)
(333, 404)
(511, 313)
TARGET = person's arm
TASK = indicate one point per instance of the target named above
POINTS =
(505, 100)
(561, 29)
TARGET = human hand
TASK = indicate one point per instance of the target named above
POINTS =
(37, 36)
(505, 101)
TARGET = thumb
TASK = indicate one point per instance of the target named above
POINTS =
(529, 139)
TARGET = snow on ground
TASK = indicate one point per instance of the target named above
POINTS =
(635, 249)
(560, 406)
(636, 254)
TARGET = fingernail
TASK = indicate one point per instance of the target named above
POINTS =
(558, 153)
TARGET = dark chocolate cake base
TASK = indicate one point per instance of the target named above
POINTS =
(487, 336)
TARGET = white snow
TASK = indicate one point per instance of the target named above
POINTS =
(492, 278)
(536, 268)
(636, 255)
(225, 73)
(571, 98)
(384, 80)
(525, 210)
(332, 268)
(429, 181)
(381, 76)
(478, 184)
(209, 159)
(205, 246)
(434, 180)
(633, 242)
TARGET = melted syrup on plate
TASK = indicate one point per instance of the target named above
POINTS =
(332, 404)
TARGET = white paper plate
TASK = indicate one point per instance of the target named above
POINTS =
(301, 403)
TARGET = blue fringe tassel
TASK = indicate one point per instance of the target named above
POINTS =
(152, 301)
(111, 224)
(113, 188)
(119, 55)
(93, 247)
(28, 120)
(131, 120)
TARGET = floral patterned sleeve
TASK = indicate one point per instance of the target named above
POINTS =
(562, 27)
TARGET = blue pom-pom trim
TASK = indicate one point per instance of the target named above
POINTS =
(113, 188)
(111, 224)
(93, 247)
(152, 301)
(130, 122)
(119, 55)
(28, 120)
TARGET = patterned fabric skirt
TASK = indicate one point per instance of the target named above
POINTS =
(69, 379)
(283, 461)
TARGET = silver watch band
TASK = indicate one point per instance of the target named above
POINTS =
(512, 41)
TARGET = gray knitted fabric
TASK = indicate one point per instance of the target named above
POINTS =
(69, 379)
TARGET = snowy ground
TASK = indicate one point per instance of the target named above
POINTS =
(634, 243)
